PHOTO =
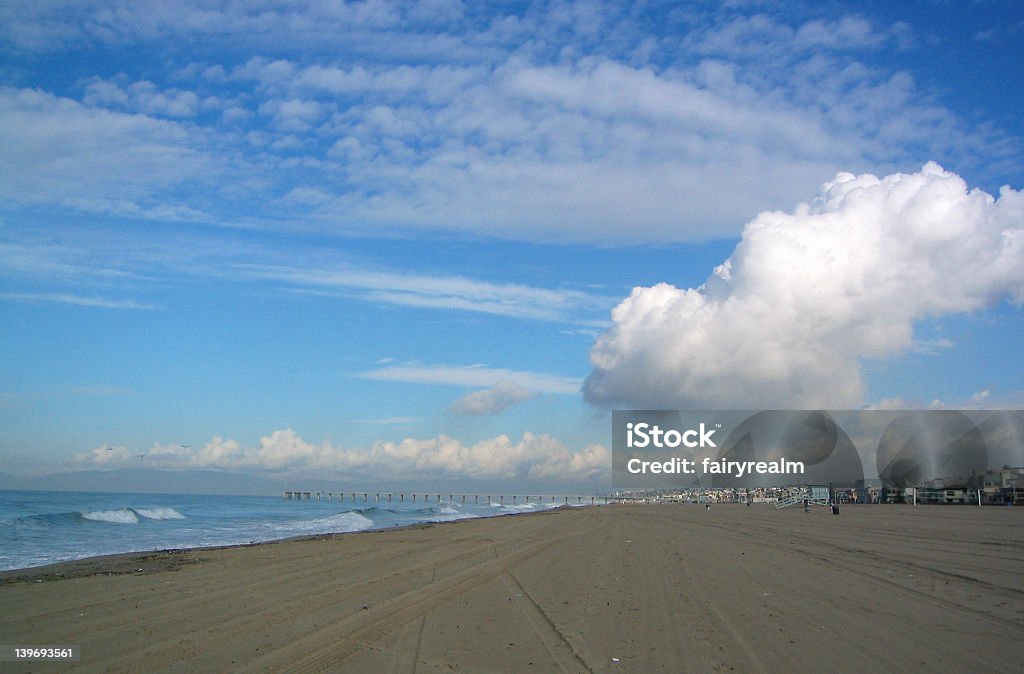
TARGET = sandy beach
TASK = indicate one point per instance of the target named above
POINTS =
(669, 588)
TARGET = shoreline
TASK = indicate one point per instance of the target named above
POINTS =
(623, 588)
(122, 563)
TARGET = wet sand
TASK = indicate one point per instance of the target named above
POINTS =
(670, 588)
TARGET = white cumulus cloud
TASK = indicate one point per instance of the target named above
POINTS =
(806, 295)
(285, 452)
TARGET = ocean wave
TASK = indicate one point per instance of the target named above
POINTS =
(159, 513)
(119, 516)
(448, 514)
(132, 515)
(516, 507)
(522, 507)
(44, 520)
(376, 511)
(56, 528)
(340, 523)
(511, 508)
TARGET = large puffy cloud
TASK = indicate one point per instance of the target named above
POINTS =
(806, 295)
(284, 452)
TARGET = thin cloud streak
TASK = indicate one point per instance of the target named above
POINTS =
(443, 292)
(140, 264)
(475, 375)
(77, 300)
(502, 396)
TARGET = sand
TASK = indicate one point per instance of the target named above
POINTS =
(658, 588)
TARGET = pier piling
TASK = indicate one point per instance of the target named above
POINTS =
(294, 495)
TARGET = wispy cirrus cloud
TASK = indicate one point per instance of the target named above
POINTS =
(441, 292)
(479, 376)
(931, 347)
(495, 400)
(77, 300)
(126, 263)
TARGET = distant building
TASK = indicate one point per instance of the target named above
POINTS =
(869, 491)
(843, 492)
(1001, 486)
(944, 494)
(893, 494)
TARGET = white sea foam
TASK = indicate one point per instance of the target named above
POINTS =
(159, 513)
(340, 523)
(120, 516)
(449, 514)
(520, 507)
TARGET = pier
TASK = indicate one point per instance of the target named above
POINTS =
(433, 497)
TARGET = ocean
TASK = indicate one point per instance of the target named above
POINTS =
(43, 527)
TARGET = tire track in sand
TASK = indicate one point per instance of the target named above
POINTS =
(555, 642)
(696, 585)
(326, 648)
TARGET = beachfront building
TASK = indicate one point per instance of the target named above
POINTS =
(1004, 486)
(843, 492)
(893, 493)
(939, 492)
(740, 495)
(999, 487)
(869, 491)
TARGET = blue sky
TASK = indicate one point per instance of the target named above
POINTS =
(375, 242)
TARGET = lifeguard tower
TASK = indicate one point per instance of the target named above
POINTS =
(812, 494)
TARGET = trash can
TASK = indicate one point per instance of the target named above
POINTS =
(835, 509)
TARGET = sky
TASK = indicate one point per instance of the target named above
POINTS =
(373, 244)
